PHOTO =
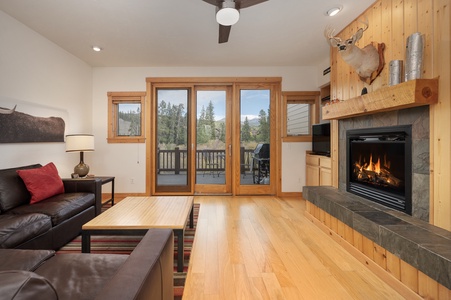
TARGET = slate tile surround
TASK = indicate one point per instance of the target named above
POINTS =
(418, 117)
(424, 246)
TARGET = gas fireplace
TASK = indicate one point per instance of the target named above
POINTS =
(380, 165)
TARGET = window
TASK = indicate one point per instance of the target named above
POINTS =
(300, 111)
(126, 117)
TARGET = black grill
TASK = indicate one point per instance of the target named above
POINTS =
(261, 151)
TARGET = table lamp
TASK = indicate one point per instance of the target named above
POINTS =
(80, 143)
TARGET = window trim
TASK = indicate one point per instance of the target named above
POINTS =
(115, 98)
(310, 97)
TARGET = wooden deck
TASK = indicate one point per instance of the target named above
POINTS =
(180, 179)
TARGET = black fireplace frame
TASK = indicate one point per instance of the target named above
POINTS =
(387, 199)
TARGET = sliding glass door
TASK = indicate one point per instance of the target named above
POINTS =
(255, 139)
(213, 138)
(173, 168)
(213, 143)
(255, 136)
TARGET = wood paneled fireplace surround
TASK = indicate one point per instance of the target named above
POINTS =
(400, 246)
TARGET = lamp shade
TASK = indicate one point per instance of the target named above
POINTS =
(227, 15)
(79, 142)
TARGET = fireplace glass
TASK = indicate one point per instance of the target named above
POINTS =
(379, 165)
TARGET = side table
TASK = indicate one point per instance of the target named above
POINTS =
(105, 180)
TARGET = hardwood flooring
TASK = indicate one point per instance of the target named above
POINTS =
(265, 248)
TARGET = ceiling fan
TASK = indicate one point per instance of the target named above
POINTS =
(228, 13)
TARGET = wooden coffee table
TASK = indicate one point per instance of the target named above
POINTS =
(135, 215)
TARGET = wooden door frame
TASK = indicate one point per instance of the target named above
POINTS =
(205, 189)
(151, 154)
(275, 145)
(270, 82)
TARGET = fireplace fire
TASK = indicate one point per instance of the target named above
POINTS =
(379, 165)
(375, 173)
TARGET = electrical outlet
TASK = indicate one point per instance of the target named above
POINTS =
(132, 180)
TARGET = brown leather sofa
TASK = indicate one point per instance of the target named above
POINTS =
(51, 223)
(147, 273)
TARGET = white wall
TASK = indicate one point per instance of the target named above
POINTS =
(42, 78)
(127, 161)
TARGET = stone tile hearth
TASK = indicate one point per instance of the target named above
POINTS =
(423, 246)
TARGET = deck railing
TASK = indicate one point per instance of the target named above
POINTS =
(176, 161)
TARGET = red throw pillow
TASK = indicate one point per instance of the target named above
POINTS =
(42, 183)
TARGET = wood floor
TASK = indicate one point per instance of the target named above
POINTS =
(264, 248)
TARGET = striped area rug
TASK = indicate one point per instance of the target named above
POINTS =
(126, 244)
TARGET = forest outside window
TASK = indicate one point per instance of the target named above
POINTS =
(299, 113)
(126, 117)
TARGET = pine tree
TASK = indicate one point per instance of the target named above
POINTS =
(162, 126)
(246, 131)
(263, 135)
(202, 137)
(210, 119)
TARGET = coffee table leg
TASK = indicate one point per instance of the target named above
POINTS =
(85, 242)
(180, 249)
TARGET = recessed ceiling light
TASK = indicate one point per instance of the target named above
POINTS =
(333, 11)
(96, 48)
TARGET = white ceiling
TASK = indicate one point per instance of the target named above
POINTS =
(147, 33)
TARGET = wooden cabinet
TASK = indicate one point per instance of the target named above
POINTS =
(317, 170)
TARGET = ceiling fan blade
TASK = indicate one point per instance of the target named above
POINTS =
(248, 3)
(224, 32)
(212, 2)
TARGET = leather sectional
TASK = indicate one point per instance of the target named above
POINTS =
(147, 273)
(48, 224)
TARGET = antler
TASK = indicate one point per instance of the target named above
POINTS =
(5, 111)
(365, 23)
(329, 32)
(331, 39)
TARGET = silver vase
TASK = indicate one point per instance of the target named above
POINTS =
(414, 56)
(395, 72)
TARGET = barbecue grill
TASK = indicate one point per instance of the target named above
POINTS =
(261, 151)
(260, 167)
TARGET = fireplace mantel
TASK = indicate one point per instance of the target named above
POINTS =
(408, 94)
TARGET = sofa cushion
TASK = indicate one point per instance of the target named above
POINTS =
(42, 183)
(16, 229)
(13, 191)
(25, 260)
(88, 273)
(18, 285)
(60, 207)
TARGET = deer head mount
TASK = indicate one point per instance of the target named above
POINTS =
(368, 61)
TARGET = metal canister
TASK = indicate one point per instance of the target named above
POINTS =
(414, 56)
(395, 72)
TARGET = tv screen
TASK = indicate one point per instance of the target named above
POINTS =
(321, 139)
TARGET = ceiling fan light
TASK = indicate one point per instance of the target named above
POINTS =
(227, 15)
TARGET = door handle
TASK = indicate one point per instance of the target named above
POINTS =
(230, 150)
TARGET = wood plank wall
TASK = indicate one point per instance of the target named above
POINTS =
(391, 22)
